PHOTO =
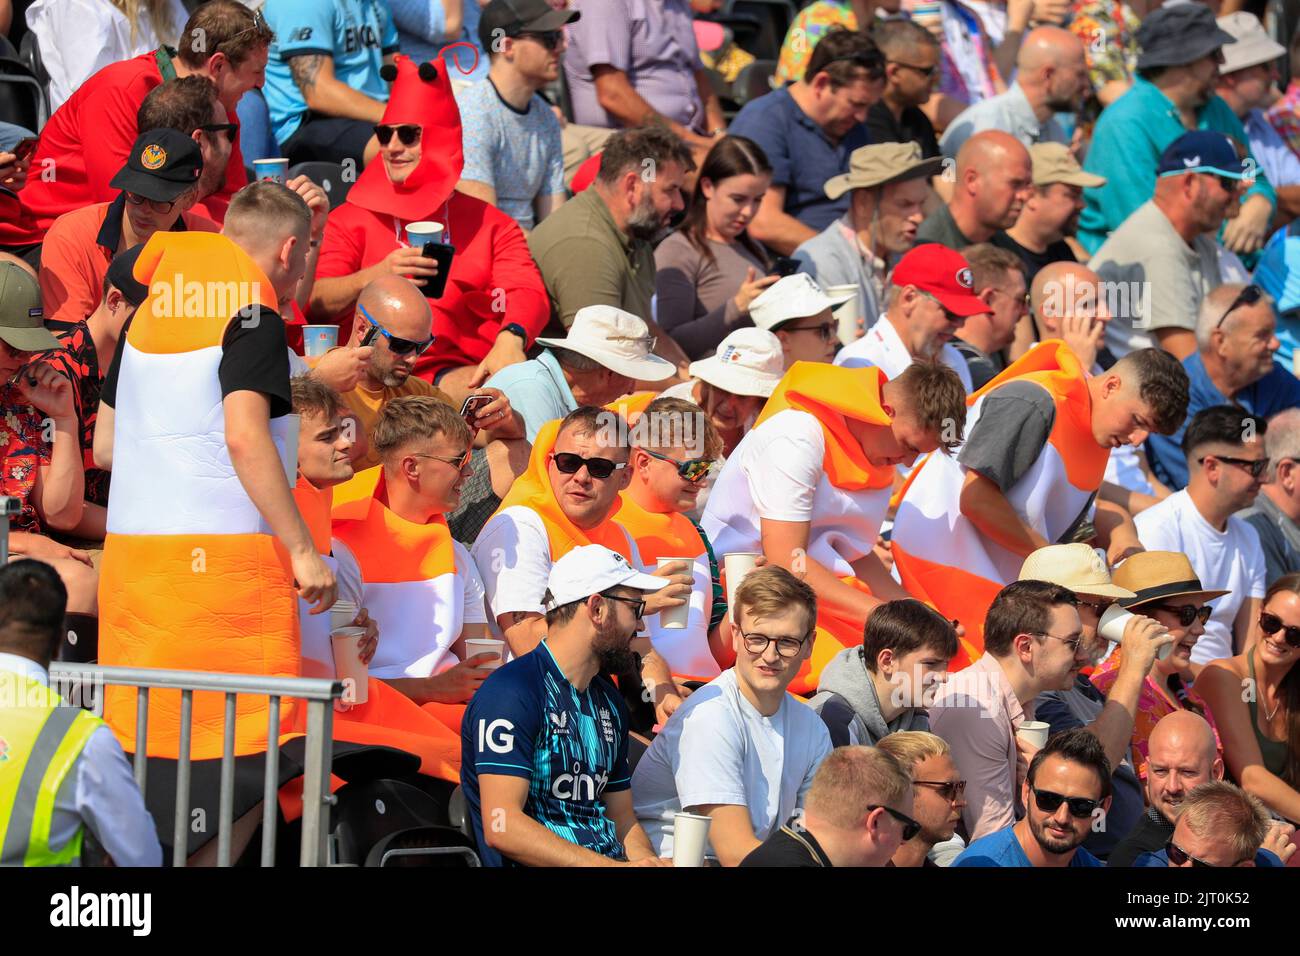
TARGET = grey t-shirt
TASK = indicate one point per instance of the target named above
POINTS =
(1012, 430)
(940, 227)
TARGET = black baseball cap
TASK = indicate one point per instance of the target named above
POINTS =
(162, 165)
(121, 274)
(513, 17)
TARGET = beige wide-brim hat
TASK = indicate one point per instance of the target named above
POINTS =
(616, 339)
(880, 164)
(1076, 567)
(1159, 575)
(1253, 47)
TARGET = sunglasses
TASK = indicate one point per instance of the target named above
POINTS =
(1256, 466)
(637, 603)
(1247, 296)
(259, 24)
(693, 470)
(395, 345)
(460, 462)
(408, 133)
(925, 71)
(1187, 613)
(826, 330)
(157, 205)
(787, 647)
(1271, 624)
(599, 468)
(212, 129)
(1049, 802)
(950, 791)
(1229, 185)
(551, 39)
(910, 827)
(1179, 857)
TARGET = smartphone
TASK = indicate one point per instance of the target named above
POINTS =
(26, 147)
(473, 405)
(442, 252)
(785, 266)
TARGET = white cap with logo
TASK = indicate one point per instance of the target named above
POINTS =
(795, 296)
(617, 340)
(747, 362)
(591, 569)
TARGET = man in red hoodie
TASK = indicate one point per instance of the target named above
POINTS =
(494, 305)
(89, 137)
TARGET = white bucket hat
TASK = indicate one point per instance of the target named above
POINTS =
(591, 569)
(796, 296)
(748, 362)
(617, 340)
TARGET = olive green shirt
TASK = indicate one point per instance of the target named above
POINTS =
(587, 260)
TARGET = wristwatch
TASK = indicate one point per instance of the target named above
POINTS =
(518, 330)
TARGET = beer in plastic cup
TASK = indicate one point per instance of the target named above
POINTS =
(736, 565)
(848, 315)
(276, 170)
(690, 837)
(348, 665)
(342, 614)
(675, 617)
(1034, 732)
(485, 645)
(319, 339)
(418, 233)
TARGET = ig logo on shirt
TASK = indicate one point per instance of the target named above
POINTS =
(493, 736)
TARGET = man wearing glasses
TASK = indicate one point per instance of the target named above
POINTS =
(912, 56)
(938, 797)
(1033, 642)
(1226, 460)
(1233, 365)
(1066, 790)
(799, 313)
(741, 750)
(1275, 515)
(1221, 826)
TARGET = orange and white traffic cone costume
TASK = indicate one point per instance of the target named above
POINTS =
(941, 557)
(192, 578)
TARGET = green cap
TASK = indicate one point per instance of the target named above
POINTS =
(22, 320)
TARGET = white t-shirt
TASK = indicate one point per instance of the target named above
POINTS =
(776, 473)
(717, 748)
(1232, 560)
(882, 348)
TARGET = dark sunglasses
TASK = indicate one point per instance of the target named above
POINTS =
(1187, 613)
(1247, 296)
(827, 330)
(213, 129)
(599, 468)
(395, 345)
(157, 205)
(1271, 624)
(950, 791)
(1229, 185)
(910, 827)
(925, 71)
(637, 603)
(1256, 466)
(408, 133)
(694, 469)
(551, 39)
(872, 62)
(1049, 802)
(1179, 857)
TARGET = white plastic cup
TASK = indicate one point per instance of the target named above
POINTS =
(348, 665)
(1034, 732)
(675, 617)
(848, 315)
(486, 645)
(319, 339)
(736, 565)
(690, 837)
(418, 233)
(342, 614)
(1115, 620)
(276, 170)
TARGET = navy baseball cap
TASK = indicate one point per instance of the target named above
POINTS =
(1202, 151)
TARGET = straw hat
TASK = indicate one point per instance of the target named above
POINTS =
(1158, 575)
(1076, 567)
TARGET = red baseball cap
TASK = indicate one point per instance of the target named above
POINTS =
(945, 274)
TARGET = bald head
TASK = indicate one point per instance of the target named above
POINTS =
(1186, 732)
(1048, 46)
(1052, 70)
(984, 151)
(397, 304)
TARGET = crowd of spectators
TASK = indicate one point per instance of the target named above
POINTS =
(965, 325)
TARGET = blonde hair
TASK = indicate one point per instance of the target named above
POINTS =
(1223, 811)
(852, 779)
(160, 16)
(700, 435)
(913, 746)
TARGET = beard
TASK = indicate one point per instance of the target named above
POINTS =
(611, 645)
(1050, 843)
(644, 222)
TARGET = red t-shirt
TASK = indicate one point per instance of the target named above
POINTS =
(86, 142)
(493, 280)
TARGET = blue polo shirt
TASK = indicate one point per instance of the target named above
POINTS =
(1002, 849)
(1126, 146)
(537, 391)
(801, 156)
(1275, 392)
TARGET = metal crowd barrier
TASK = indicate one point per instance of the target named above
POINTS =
(319, 696)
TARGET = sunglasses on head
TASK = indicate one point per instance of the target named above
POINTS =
(1256, 466)
(910, 827)
(694, 469)
(1271, 624)
(1186, 613)
(395, 345)
(259, 23)
(1049, 802)
(599, 468)
(1247, 296)
(408, 133)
